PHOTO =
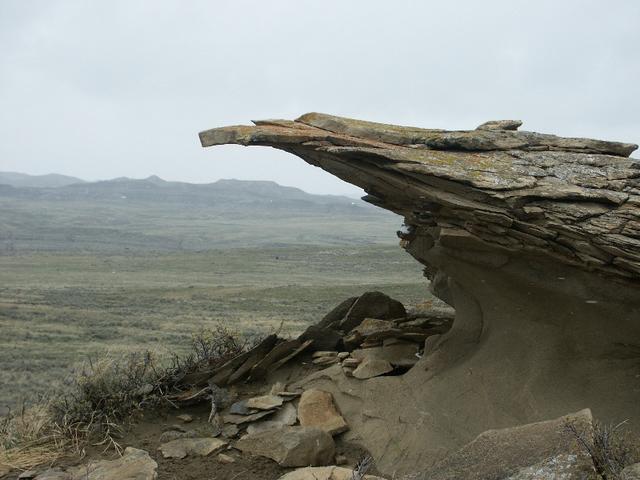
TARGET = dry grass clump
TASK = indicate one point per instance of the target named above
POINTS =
(610, 447)
(97, 401)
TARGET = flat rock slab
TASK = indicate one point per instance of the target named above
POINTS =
(399, 354)
(324, 353)
(285, 416)
(317, 409)
(240, 419)
(325, 473)
(133, 465)
(264, 402)
(524, 452)
(241, 408)
(291, 446)
(184, 447)
(372, 367)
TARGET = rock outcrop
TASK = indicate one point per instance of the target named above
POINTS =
(534, 239)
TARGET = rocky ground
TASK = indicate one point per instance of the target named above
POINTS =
(258, 416)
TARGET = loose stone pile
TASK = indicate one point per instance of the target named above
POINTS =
(369, 335)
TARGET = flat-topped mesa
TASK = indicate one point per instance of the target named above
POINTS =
(533, 239)
(574, 199)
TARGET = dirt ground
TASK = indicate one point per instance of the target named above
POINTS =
(144, 433)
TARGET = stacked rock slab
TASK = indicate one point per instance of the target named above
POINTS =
(533, 238)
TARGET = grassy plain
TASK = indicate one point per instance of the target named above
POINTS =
(57, 309)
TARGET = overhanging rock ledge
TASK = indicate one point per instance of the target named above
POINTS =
(533, 238)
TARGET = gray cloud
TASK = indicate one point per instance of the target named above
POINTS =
(104, 89)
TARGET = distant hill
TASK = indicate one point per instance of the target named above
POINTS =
(152, 214)
(51, 180)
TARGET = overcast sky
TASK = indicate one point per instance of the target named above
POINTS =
(122, 88)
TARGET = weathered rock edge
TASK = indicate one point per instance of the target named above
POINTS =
(534, 240)
(576, 200)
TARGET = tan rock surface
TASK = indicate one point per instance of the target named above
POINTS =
(291, 446)
(372, 367)
(317, 409)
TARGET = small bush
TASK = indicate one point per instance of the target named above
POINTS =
(610, 447)
(209, 347)
(99, 398)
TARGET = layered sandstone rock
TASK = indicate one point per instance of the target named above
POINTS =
(533, 238)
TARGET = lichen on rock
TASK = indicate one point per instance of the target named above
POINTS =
(534, 239)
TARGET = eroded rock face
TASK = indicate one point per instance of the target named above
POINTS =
(535, 451)
(533, 238)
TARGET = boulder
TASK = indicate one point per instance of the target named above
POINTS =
(185, 417)
(285, 416)
(317, 409)
(133, 465)
(325, 473)
(372, 305)
(291, 446)
(184, 447)
(372, 367)
(544, 450)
